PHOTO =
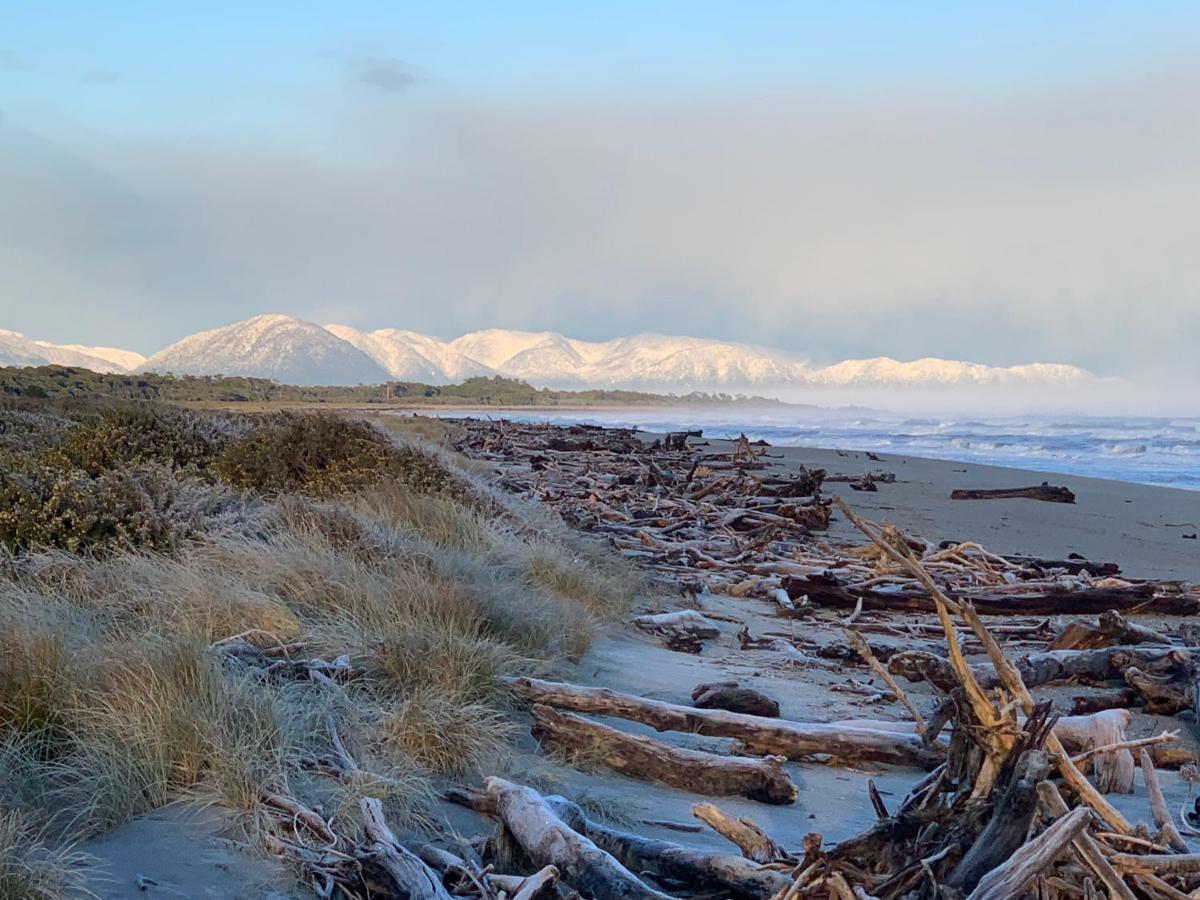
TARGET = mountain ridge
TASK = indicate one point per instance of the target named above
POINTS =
(296, 351)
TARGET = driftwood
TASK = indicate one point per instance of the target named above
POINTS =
(731, 696)
(1006, 830)
(549, 841)
(1111, 629)
(1037, 669)
(688, 866)
(824, 590)
(1168, 833)
(389, 869)
(762, 779)
(754, 843)
(793, 740)
(1013, 877)
(1044, 491)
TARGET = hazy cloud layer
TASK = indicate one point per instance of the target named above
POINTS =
(1003, 229)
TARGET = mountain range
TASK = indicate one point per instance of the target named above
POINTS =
(294, 351)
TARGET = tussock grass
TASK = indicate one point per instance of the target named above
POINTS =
(31, 868)
(113, 703)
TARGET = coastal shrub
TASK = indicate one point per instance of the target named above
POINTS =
(68, 509)
(136, 433)
(324, 455)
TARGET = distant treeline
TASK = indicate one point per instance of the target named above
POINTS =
(68, 381)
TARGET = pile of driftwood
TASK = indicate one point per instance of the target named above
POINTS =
(1015, 799)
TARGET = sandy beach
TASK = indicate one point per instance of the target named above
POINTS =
(1137, 526)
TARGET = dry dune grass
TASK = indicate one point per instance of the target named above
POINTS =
(114, 702)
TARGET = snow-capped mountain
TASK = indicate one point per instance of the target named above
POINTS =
(122, 360)
(409, 356)
(18, 350)
(298, 352)
(284, 348)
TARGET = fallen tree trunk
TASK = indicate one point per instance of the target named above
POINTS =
(549, 841)
(829, 591)
(793, 740)
(762, 779)
(1044, 491)
(1104, 664)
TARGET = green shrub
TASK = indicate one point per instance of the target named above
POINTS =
(138, 508)
(132, 434)
(324, 456)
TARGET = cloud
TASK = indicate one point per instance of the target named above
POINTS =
(386, 74)
(1003, 228)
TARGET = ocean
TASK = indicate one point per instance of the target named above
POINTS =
(1159, 451)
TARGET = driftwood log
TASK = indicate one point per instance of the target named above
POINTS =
(762, 779)
(793, 740)
(1044, 491)
(754, 843)
(1015, 876)
(549, 841)
(1092, 666)
(830, 591)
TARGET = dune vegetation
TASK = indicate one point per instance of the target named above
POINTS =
(209, 606)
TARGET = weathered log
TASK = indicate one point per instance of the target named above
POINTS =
(793, 740)
(1006, 830)
(389, 869)
(1044, 491)
(684, 620)
(1016, 874)
(696, 869)
(732, 697)
(549, 841)
(828, 590)
(1112, 629)
(762, 779)
(1168, 833)
(755, 844)
(1094, 666)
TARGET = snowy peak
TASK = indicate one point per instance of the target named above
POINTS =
(18, 350)
(284, 348)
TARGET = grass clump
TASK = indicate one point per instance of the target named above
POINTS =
(31, 868)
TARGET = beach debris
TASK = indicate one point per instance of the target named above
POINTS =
(1044, 491)
(1014, 801)
(731, 696)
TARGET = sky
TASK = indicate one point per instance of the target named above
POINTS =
(999, 182)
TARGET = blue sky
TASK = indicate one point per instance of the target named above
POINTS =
(931, 175)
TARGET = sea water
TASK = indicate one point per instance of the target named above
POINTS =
(1160, 451)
